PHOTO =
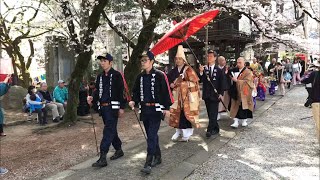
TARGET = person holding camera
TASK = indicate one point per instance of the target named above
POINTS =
(4, 87)
(314, 79)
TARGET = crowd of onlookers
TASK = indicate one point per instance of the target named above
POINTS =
(42, 101)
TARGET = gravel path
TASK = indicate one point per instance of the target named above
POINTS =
(277, 145)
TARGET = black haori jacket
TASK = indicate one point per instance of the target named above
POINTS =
(162, 94)
(115, 87)
(218, 80)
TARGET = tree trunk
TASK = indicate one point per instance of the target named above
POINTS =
(74, 85)
(145, 38)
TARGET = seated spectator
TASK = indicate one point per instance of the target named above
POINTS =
(92, 88)
(92, 91)
(56, 108)
(36, 105)
(83, 107)
(60, 93)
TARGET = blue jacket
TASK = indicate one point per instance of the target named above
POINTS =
(3, 90)
(60, 94)
(37, 104)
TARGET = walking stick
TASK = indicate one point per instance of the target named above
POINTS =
(208, 78)
(94, 130)
(139, 123)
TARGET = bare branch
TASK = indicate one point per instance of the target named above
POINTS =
(93, 21)
(31, 54)
(142, 12)
(307, 12)
(71, 27)
(35, 13)
(115, 29)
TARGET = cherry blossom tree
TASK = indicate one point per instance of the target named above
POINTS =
(19, 27)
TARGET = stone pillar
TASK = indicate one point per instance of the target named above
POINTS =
(60, 60)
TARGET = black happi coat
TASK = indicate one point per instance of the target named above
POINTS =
(162, 93)
(117, 89)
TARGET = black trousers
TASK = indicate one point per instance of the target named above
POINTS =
(309, 100)
(244, 113)
(151, 122)
(110, 132)
(212, 110)
(1, 128)
(42, 115)
(184, 123)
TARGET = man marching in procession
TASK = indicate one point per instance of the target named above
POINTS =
(152, 92)
(213, 79)
(226, 97)
(184, 113)
(242, 101)
(110, 98)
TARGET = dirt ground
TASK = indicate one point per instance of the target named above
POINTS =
(32, 154)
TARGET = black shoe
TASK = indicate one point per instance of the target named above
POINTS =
(117, 154)
(208, 134)
(215, 132)
(147, 166)
(61, 119)
(102, 161)
(146, 169)
(55, 120)
(156, 161)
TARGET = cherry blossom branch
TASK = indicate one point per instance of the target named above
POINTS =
(305, 11)
(71, 27)
(116, 30)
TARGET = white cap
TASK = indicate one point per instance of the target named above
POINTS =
(61, 81)
(180, 53)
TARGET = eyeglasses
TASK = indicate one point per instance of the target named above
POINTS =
(144, 60)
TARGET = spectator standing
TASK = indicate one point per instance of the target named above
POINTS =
(271, 65)
(279, 71)
(296, 68)
(4, 87)
(314, 78)
(288, 68)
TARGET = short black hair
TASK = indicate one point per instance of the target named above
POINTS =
(215, 54)
(30, 89)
